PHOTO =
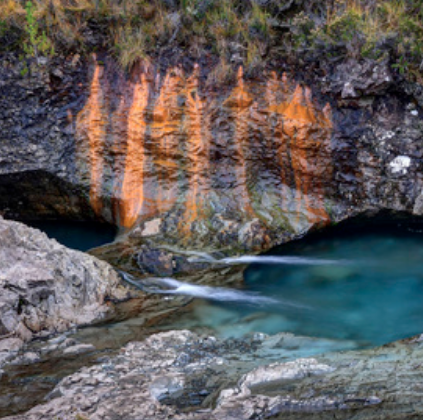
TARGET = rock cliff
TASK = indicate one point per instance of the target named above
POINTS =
(172, 159)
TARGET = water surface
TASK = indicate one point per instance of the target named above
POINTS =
(76, 235)
(360, 287)
(371, 293)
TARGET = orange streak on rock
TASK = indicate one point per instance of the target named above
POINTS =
(240, 102)
(132, 191)
(309, 133)
(165, 131)
(159, 125)
(301, 124)
(281, 139)
(297, 112)
(197, 148)
(118, 152)
(296, 119)
(93, 120)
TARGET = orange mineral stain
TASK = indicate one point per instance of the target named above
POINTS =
(132, 191)
(297, 119)
(165, 132)
(92, 120)
(168, 144)
(240, 102)
(307, 131)
(197, 148)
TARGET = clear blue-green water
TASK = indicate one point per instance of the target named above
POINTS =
(77, 235)
(358, 287)
(369, 288)
(372, 294)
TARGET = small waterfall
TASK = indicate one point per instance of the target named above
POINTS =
(170, 286)
(261, 259)
(272, 259)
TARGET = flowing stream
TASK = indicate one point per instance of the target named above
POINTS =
(359, 286)
(362, 286)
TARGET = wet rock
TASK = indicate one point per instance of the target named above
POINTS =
(165, 387)
(156, 261)
(47, 288)
(233, 379)
(9, 348)
(27, 358)
(418, 205)
(151, 227)
(79, 348)
(283, 373)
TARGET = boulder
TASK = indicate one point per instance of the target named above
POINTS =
(47, 288)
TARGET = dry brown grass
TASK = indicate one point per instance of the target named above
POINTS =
(382, 30)
(232, 30)
(133, 29)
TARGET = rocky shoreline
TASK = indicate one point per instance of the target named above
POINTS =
(181, 375)
(227, 172)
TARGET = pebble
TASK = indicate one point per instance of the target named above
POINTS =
(79, 348)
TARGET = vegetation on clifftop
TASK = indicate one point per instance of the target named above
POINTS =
(252, 32)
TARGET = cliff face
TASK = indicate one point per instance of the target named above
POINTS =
(172, 159)
(160, 145)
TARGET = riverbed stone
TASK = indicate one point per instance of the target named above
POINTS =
(78, 348)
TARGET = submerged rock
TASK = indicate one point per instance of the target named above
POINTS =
(47, 288)
(181, 375)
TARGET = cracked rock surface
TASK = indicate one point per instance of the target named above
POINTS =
(47, 288)
(181, 375)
